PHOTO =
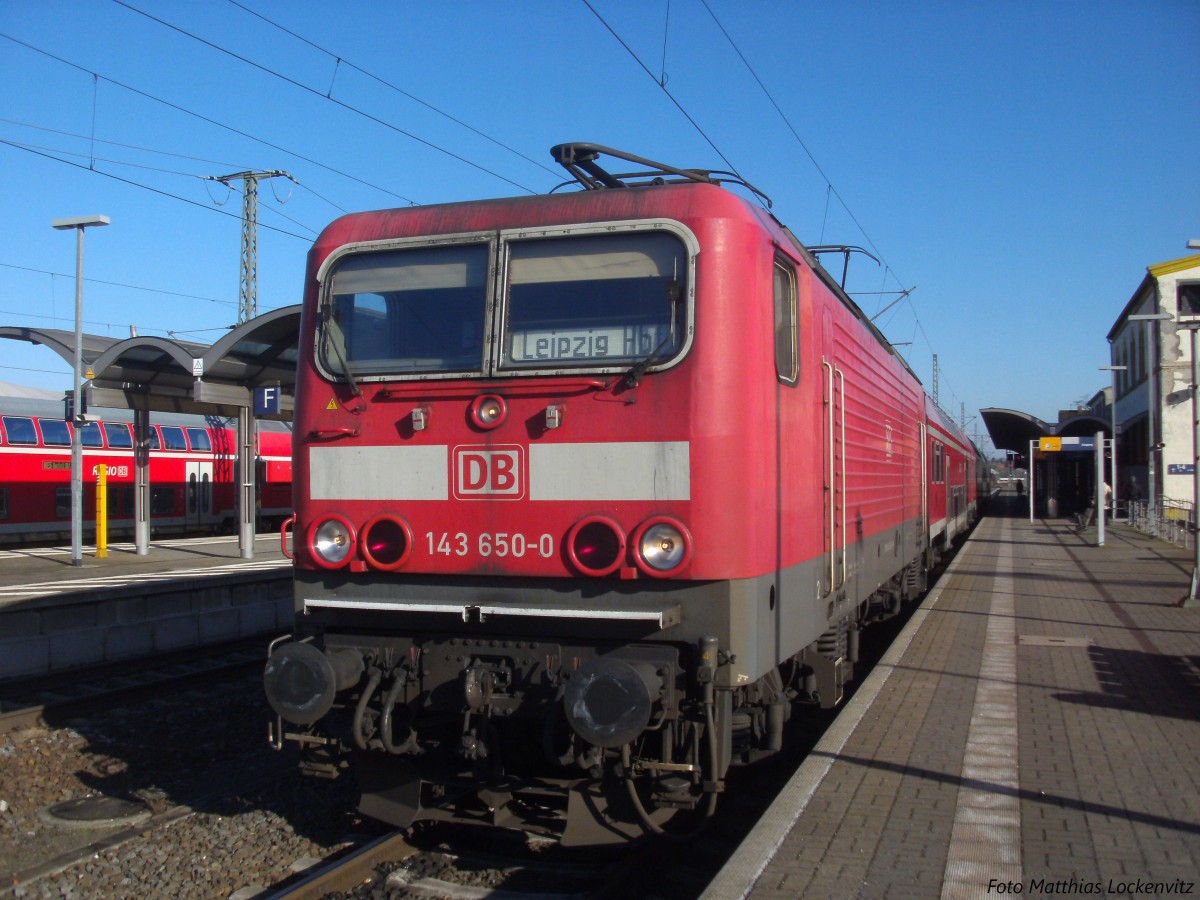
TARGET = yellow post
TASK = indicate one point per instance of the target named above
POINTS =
(102, 511)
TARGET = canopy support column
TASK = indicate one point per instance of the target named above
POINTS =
(247, 495)
(141, 474)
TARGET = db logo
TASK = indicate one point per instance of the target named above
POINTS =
(495, 471)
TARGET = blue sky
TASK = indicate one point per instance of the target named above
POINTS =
(1019, 163)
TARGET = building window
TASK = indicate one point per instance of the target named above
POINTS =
(1187, 300)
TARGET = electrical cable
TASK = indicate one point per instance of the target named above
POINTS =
(342, 61)
(207, 119)
(132, 287)
(346, 106)
(662, 87)
(146, 187)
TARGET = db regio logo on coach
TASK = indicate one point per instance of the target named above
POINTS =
(496, 471)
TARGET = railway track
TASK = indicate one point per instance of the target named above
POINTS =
(401, 865)
(27, 703)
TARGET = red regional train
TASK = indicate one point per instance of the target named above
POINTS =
(192, 472)
(593, 489)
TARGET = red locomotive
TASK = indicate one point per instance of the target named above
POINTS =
(591, 489)
(192, 465)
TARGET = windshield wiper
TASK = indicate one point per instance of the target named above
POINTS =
(634, 376)
(333, 333)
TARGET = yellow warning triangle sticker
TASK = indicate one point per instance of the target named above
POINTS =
(332, 404)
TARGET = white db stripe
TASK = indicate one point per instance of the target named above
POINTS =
(641, 470)
(649, 470)
(379, 473)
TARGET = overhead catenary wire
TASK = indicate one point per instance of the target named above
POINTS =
(141, 149)
(342, 61)
(830, 189)
(132, 287)
(329, 99)
(663, 87)
(207, 119)
(145, 187)
(661, 79)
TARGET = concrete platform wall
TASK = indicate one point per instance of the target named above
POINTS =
(114, 624)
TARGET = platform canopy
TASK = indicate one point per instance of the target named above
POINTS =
(166, 375)
(1011, 429)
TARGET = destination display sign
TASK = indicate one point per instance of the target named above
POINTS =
(1066, 444)
(556, 345)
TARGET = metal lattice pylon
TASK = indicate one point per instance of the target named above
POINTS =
(248, 281)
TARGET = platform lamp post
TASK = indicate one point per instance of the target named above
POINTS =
(1152, 350)
(1191, 319)
(1192, 324)
(79, 223)
(1113, 409)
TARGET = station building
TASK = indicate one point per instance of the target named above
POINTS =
(1156, 379)
(1151, 387)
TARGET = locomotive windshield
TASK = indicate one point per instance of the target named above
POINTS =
(599, 302)
(402, 311)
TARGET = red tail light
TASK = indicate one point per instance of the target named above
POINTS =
(386, 542)
(596, 545)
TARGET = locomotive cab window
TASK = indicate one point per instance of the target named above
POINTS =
(407, 311)
(601, 298)
(595, 300)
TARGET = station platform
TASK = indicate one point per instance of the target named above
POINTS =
(1034, 730)
(184, 593)
(29, 573)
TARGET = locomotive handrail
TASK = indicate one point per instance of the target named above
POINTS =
(662, 617)
(283, 530)
(330, 433)
(508, 388)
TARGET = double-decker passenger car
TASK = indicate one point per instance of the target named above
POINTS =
(591, 490)
(193, 464)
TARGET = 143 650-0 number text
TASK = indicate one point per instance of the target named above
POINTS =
(499, 544)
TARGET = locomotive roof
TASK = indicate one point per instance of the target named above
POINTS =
(580, 160)
(630, 195)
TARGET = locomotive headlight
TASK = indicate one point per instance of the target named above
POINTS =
(331, 541)
(489, 411)
(662, 546)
